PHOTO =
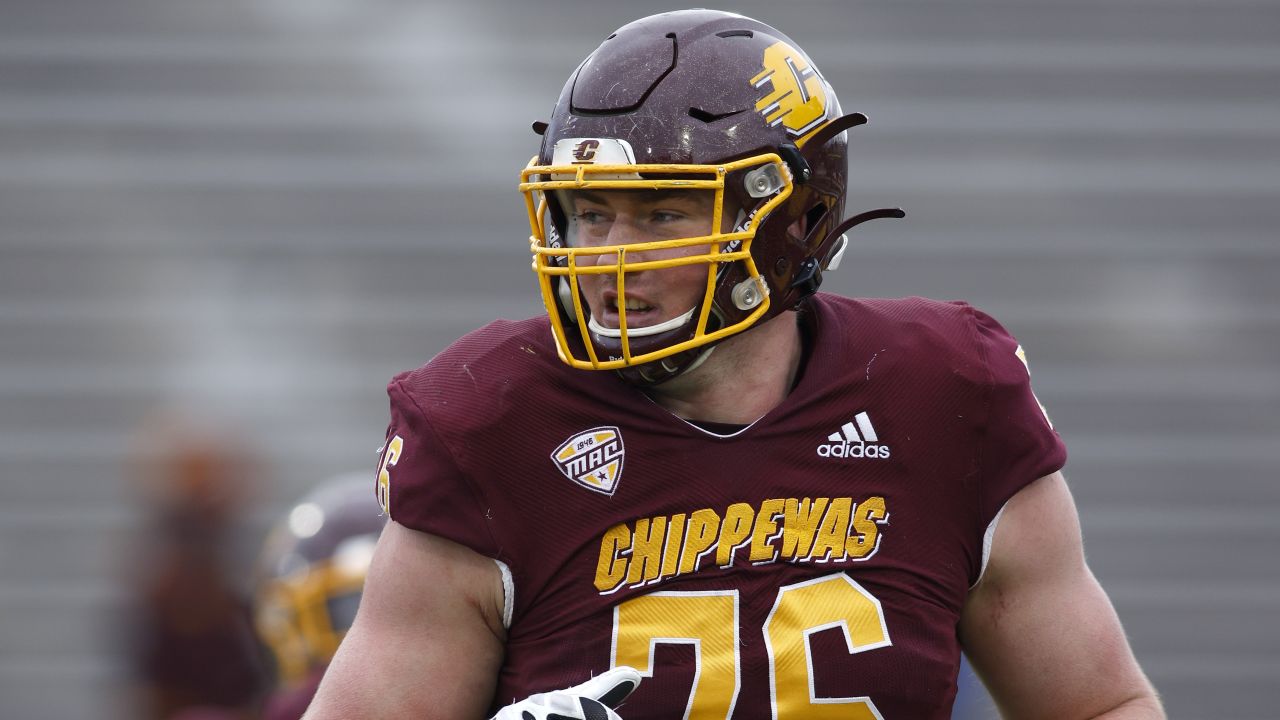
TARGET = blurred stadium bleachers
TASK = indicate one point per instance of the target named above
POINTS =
(254, 213)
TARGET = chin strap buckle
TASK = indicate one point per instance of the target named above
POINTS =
(808, 277)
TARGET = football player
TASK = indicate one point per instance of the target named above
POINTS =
(701, 482)
(310, 574)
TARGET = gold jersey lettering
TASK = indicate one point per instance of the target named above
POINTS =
(671, 550)
(766, 531)
(800, 525)
(735, 530)
(611, 569)
(646, 550)
(866, 535)
(778, 529)
(704, 526)
(390, 456)
(833, 531)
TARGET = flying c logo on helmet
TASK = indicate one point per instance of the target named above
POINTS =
(585, 150)
(797, 97)
(593, 151)
(592, 458)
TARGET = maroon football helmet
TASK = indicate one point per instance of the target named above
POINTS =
(311, 573)
(692, 100)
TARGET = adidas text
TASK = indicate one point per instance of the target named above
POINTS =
(854, 450)
(855, 439)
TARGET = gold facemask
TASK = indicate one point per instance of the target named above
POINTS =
(560, 266)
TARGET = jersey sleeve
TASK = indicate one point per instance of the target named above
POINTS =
(420, 483)
(1016, 444)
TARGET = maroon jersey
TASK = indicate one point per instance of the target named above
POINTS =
(811, 565)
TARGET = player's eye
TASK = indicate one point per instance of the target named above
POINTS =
(666, 216)
(588, 217)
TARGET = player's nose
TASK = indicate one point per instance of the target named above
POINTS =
(624, 230)
(627, 232)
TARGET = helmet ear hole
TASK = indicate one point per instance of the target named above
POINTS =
(813, 221)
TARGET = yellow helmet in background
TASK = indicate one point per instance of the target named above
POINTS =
(311, 574)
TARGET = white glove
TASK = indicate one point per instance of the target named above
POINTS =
(592, 700)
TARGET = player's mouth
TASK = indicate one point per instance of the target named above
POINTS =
(640, 312)
(643, 318)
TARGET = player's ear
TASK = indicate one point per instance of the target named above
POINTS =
(799, 229)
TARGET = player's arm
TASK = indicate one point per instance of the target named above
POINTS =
(1038, 627)
(427, 641)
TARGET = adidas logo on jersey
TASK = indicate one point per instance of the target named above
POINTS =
(855, 441)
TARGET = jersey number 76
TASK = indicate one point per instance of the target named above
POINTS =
(709, 622)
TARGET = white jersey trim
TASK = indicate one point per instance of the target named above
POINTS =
(705, 431)
(701, 429)
(986, 544)
(508, 594)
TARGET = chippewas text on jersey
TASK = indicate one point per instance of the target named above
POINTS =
(796, 530)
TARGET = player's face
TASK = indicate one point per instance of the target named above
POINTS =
(607, 218)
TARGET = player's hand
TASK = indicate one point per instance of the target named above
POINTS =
(592, 700)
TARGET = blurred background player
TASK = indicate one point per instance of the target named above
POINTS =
(188, 633)
(310, 576)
